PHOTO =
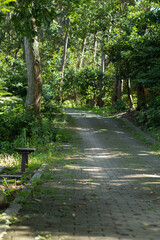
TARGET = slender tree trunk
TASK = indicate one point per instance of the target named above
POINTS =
(102, 57)
(115, 87)
(75, 97)
(80, 61)
(102, 52)
(79, 65)
(65, 50)
(102, 61)
(61, 23)
(32, 57)
(114, 97)
(94, 48)
(120, 89)
(118, 86)
(100, 87)
(64, 59)
(131, 104)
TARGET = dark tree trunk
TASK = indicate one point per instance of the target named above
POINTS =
(115, 87)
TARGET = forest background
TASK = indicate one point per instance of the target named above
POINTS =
(62, 53)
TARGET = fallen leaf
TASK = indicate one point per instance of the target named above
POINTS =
(151, 193)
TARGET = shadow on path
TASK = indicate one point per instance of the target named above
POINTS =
(108, 191)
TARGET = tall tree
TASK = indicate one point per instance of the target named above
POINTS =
(65, 46)
(34, 93)
(130, 99)
(81, 55)
(27, 16)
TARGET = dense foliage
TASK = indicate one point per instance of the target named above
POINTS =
(96, 53)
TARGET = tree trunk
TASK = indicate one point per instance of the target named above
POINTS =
(32, 57)
(64, 50)
(100, 86)
(75, 97)
(61, 22)
(102, 61)
(102, 52)
(79, 65)
(80, 61)
(64, 59)
(94, 49)
(131, 104)
(120, 89)
(115, 87)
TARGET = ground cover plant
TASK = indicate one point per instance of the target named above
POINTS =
(20, 129)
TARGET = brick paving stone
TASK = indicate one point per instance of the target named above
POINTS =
(110, 192)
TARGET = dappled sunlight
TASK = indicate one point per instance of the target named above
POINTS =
(141, 176)
(104, 153)
(100, 131)
(119, 132)
(143, 154)
(83, 114)
(122, 182)
(82, 129)
(109, 190)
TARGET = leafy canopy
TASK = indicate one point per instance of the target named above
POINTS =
(4, 5)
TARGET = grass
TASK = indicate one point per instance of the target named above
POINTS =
(54, 158)
(48, 152)
(105, 111)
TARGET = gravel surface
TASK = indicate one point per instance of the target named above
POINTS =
(110, 189)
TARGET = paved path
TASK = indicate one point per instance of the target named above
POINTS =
(109, 192)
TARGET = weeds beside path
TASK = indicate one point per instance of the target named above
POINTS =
(106, 188)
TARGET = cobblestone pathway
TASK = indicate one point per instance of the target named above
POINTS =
(109, 192)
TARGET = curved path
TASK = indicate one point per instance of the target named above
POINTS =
(109, 192)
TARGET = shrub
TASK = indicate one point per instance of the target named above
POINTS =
(120, 105)
(148, 117)
(13, 118)
(19, 128)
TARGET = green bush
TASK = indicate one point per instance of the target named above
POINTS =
(90, 84)
(13, 118)
(148, 117)
(13, 75)
(120, 105)
(50, 109)
(19, 128)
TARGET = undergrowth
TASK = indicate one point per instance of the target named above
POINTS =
(21, 130)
